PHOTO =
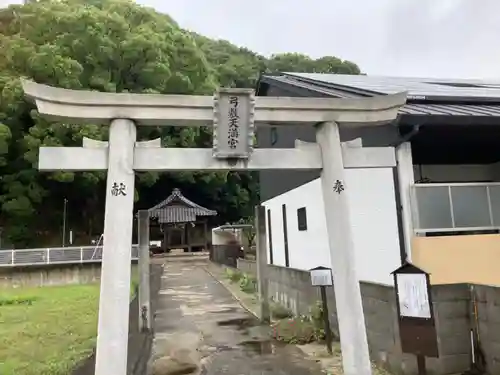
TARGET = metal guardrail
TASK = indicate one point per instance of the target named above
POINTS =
(55, 255)
(453, 207)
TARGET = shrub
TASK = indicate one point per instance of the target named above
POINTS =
(298, 330)
(248, 283)
(233, 275)
(278, 311)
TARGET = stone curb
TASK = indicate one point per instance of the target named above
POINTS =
(238, 299)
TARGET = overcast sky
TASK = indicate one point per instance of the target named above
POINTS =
(430, 38)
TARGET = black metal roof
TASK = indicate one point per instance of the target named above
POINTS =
(426, 97)
(178, 209)
(418, 88)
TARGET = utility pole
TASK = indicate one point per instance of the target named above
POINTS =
(64, 223)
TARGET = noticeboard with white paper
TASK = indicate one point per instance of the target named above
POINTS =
(321, 277)
(413, 295)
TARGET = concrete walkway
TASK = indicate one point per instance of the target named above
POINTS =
(198, 322)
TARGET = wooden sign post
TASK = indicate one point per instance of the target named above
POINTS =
(417, 328)
(322, 277)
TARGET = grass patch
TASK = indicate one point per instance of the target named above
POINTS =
(48, 330)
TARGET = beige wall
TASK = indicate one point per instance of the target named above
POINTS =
(459, 259)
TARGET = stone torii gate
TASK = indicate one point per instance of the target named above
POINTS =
(233, 113)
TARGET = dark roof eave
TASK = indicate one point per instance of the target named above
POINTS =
(204, 212)
(411, 112)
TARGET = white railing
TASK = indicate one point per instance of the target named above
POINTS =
(54, 255)
(453, 207)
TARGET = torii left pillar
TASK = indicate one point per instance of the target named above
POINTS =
(117, 157)
(111, 354)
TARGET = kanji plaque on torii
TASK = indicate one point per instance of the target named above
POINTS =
(233, 113)
(233, 123)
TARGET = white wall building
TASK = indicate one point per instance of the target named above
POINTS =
(374, 223)
(447, 180)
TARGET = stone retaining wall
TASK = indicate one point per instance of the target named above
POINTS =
(292, 288)
(50, 274)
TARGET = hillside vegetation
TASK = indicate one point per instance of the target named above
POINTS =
(113, 46)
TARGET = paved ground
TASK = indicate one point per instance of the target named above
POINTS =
(199, 315)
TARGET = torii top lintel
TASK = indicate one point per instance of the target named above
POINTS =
(82, 107)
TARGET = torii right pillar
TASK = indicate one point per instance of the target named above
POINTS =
(353, 340)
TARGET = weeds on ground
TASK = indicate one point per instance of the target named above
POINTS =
(16, 300)
(298, 330)
(278, 311)
(248, 283)
(301, 329)
(316, 316)
(233, 275)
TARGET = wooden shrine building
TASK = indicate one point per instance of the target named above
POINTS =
(184, 224)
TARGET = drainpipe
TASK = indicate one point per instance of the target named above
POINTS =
(397, 190)
(407, 137)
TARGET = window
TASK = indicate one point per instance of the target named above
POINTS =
(302, 218)
(285, 236)
(274, 135)
(270, 236)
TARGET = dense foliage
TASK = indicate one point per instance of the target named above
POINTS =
(115, 46)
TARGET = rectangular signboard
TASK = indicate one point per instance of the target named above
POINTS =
(413, 295)
(321, 277)
(233, 123)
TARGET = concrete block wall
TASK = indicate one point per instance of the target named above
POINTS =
(247, 266)
(450, 304)
(292, 288)
(488, 309)
(382, 328)
(452, 314)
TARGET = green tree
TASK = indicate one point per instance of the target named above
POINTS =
(233, 66)
(113, 46)
(296, 62)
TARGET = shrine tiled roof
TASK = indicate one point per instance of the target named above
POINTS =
(178, 209)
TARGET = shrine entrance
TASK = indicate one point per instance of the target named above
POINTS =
(182, 223)
(175, 237)
(233, 114)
